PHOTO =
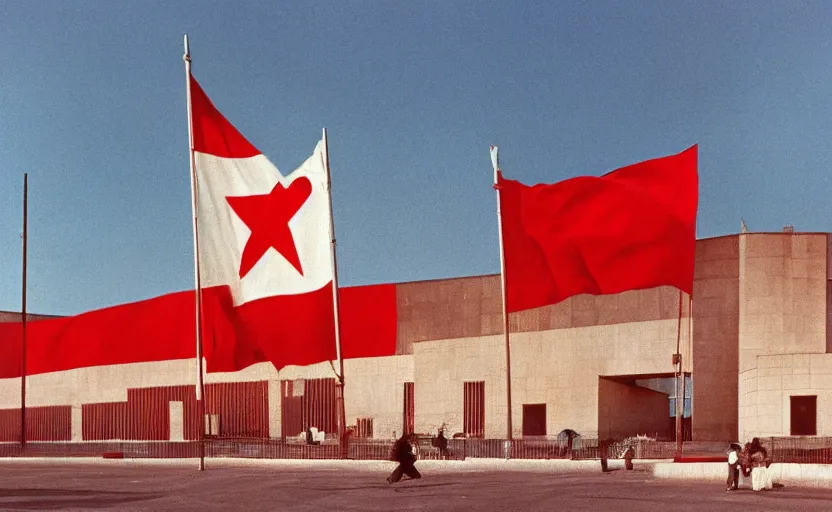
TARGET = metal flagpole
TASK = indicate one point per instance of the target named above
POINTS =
(200, 387)
(339, 398)
(680, 401)
(495, 161)
(688, 354)
(23, 316)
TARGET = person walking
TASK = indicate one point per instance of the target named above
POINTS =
(402, 453)
(733, 481)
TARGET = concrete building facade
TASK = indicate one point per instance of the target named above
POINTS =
(755, 340)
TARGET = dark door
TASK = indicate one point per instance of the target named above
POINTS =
(804, 415)
(534, 419)
(409, 409)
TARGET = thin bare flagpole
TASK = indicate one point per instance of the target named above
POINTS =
(495, 160)
(24, 316)
(200, 386)
(688, 351)
(680, 401)
(339, 399)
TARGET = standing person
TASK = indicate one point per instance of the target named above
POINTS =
(603, 448)
(442, 442)
(628, 458)
(402, 453)
(733, 481)
(760, 477)
(745, 460)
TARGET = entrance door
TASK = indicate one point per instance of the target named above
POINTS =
(804, 415)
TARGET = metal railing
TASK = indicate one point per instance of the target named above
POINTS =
(801, 450)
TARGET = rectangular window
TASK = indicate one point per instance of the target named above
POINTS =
(534, 419)
(364, 428)
(320, 405)
(409, 409)
(291, 409)
(308, 403)
(804, 415)
(212, 425)
(474, 409)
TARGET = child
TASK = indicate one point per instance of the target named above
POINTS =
(733, 467)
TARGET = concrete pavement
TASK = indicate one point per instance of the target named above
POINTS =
(485, 486)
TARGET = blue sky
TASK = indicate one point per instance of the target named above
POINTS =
(92, 106)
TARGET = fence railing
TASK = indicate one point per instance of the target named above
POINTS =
(781, 450)
(801, 450)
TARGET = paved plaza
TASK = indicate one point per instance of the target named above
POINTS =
(122, 485)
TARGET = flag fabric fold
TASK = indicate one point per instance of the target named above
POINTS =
(633, 228)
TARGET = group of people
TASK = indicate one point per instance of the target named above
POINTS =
(753, 461)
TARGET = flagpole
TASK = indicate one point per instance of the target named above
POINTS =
(496, 163)
(24, 317)
(677, 359)
(687, 352)
(200, 386)
(339, 398)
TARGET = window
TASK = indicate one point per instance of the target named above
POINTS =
(534, 419)
(804, 415)
(364, 428)
(320, 404)
(409, 409)
(474, 409)
(212, 425)
(308, 403)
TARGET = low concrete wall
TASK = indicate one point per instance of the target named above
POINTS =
(793, 475)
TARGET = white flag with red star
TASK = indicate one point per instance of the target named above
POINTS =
(266, 237)
(259, 232)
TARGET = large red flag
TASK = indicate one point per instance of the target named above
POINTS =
(163, 329)
(633, 228)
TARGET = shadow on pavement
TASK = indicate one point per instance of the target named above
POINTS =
(57, 499)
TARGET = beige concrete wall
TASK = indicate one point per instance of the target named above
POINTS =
(716, 339)
(470, 307)
(627, 410)
(747, 403)
(558, 367)
(441, 368)
(782, 295)
(374, 386)
(782, 312)
(765, 402)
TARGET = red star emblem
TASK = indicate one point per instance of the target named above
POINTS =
(268, 216)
